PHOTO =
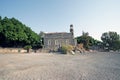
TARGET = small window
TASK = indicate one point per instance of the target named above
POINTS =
(56, 42)
(49, 42)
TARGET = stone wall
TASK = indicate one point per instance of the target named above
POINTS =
(12, 50)
(57, 39)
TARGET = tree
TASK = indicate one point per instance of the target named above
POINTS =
(85, 39)
(14, 33)
(28, 47)
(42, 34)
(111, 40)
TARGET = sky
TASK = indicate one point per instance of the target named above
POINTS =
(92, 16)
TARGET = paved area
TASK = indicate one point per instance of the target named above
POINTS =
(90, 66)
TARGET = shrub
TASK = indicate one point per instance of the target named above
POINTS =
(28, 47)
(66, 49)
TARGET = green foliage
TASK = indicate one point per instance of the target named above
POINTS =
(84, 40)
(116, 45)
(111, 40)
(66, 48)
(87, 40)
(15, 34)
(28, 47)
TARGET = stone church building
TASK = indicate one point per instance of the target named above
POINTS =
(53, 41)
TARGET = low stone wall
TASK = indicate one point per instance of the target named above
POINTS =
(42, 51)
(21, 50)
(12, 50)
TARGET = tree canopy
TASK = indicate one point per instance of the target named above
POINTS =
(111, 40)
(14, 33)
(87, 40)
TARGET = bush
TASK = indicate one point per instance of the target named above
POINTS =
(28, 47)
(66, 49)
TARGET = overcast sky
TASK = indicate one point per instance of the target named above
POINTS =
(93, 16)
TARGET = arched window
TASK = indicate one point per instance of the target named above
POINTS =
(56, 42)
(49, 42)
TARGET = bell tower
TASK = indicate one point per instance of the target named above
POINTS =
(72, 30)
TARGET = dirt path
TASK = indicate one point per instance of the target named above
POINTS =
(92, 66)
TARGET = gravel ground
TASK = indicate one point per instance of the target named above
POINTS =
(88, 66)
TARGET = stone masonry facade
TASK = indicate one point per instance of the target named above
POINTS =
(53, 41)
